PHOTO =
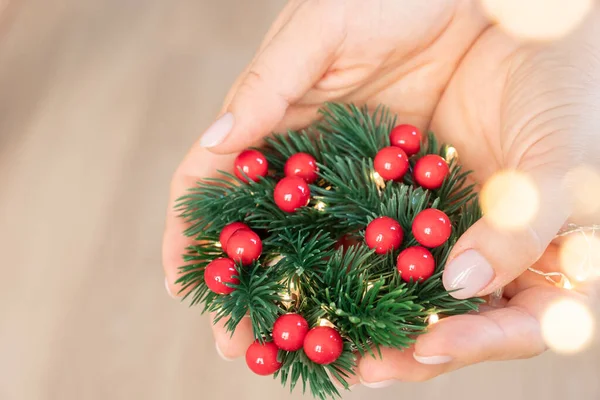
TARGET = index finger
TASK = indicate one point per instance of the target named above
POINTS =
(198, 164)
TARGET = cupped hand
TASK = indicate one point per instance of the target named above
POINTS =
(440, 65)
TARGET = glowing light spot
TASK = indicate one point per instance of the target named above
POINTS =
(510, 200)
(326, 322)
(567, 326)
(218, 244)
(567, 284)
(379, 181)
(538, 19)
(451, 154)
(275, 260)
(579, 256)
(433, 319)
(583, 186)
(320, 206)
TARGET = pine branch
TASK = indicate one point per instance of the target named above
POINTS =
(257, 295)
(360, 292)
(296, 366)
(191, 276)
(281, 147)
(354, 131)
(304, 255)
(225, 200)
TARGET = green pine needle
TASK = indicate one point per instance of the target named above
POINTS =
(301, 268)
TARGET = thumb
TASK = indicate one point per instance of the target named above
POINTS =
(523, 211)
(284, 70)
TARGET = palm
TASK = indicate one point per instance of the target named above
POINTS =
(440, 66)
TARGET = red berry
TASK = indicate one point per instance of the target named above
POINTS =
(430, 171)
(291, 193)
(245, 246)
(323, 345)
(289, 332)
(407, 137)
(431, 227)
(391, 163)
(230, 230)
(383, 234)
(253, 163)
(415, 263)
(303, 165)
(262, 358)
(219, 272)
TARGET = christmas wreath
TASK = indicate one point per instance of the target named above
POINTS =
(332, 240)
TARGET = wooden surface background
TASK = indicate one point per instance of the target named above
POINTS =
(99, 100)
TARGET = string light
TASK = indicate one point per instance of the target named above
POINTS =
(379, 181)
(433, 319)
(320, 206)
(290, 297)
(275, 260)
(326, 322)
(217, 244)
(451, 154)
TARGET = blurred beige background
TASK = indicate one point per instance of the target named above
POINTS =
(99, 100)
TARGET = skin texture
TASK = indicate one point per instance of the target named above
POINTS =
(440, 65)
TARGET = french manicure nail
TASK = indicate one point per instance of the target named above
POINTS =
(467, 274)
(168, 288)
(220, 353)
(432, 360)
(378, 385)
(218, 131)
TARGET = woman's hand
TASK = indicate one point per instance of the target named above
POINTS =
(501, 103)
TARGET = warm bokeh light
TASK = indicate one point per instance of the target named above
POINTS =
(580, 256)
(433, 319)
(538, 19)
(510, 200)
(583, 186)
(567, 326)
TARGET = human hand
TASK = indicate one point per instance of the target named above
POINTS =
(409, 56)
(532, 109)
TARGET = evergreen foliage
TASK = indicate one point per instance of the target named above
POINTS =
(358, 291)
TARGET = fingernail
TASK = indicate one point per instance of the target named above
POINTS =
(467, 275)
(168, 288)
(378, 385)
(432, 360)
(220, 353)
(218, 131)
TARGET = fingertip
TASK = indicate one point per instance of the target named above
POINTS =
(168, 289)
(395, 365)
(232, 346)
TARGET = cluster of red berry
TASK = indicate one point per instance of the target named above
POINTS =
(322, 344)
(291, 192)
(240, 243)
(431, 227)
